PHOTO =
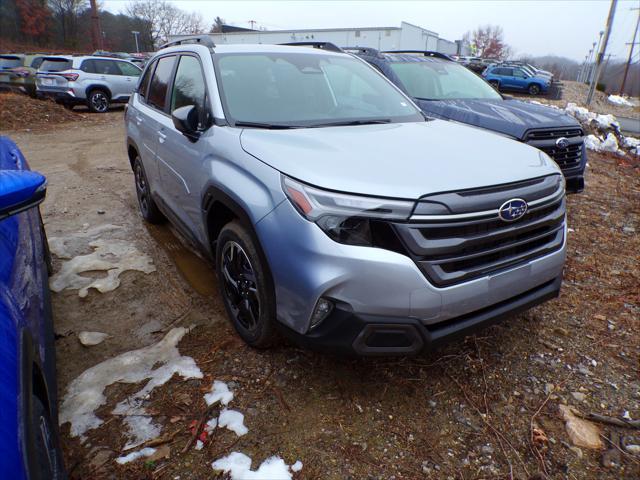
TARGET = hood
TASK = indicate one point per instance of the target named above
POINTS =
(510, 117)
(398, 160)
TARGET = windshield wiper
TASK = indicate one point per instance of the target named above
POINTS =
(271, 126)
(343, 123)
(428, 99)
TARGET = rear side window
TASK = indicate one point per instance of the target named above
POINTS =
(129, 70)
(143, 86)
(36, 62)
(9, 61)
(160, 82)
(88, 66)
(106, 67)
(55, 64)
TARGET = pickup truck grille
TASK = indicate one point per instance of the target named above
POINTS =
(545, 140)
(463, 246)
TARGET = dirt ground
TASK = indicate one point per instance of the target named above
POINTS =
(467, 411)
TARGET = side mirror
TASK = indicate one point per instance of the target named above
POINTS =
(185, 119)
(20, 190)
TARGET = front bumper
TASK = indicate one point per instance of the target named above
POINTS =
(347, 333)
(374, 285)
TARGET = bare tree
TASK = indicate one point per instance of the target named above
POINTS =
(488, 42)
(66, 12)
(217, 25)
(165, 19)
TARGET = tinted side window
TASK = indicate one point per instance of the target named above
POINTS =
(160, 82)
(88, 66)
(129, 70)
(143, 86)
(189, 86)
(106, 67)
(37, 62)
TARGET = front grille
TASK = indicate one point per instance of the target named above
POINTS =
(462, 247)
(553, 134)
(545, 140)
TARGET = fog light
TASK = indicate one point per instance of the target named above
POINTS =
(322, 311)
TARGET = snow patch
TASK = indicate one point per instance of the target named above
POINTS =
(620, 101)
(211, 425)
(607, 121)
(633, 144)
(63, 247)
(86, 393)
(296, 467)
(112, 256)
(199, 445)
(89, 339)
(233, 420)
(609, 144)
(219, 393)
(238, 465)
(145, 452)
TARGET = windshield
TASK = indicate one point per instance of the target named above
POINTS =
(307, 89)
(434, 80)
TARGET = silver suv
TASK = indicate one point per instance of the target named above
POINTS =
(334, 211)
(94, 81)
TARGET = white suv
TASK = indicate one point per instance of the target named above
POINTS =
(94, 81)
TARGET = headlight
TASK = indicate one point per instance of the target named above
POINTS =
(343, 217)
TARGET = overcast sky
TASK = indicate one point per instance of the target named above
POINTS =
(536, 27)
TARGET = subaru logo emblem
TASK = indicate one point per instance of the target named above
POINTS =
(513, 209)
(562, 142)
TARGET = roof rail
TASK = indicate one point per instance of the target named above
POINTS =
(319, 45)
(363, 50)
(426, 53)
(205, 40)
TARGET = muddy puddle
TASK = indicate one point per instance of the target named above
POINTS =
(197, 271)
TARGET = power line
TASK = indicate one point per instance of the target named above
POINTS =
(633, 42)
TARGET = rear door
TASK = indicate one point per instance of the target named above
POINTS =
(180, 160)
(148, 112)
(131, 75)
(109, 74)
(519, 79)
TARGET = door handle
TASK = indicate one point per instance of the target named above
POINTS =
(103, 77)
(138, 120)
(161, 137)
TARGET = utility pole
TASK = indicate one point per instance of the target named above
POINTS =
(96, 38)
(253, 24)
(603, 49)
(633, 42)
(135, 35)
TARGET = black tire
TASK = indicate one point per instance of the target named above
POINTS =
(47, 454)
(148, 207)
(246, 286)
(98, 101)
(534, 89)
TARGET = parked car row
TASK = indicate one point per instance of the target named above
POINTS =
(96, 81)
(338, 208)
(444, 89)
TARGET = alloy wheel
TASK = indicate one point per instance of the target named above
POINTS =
(141, 189)
(100, 102)
(240, 286)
